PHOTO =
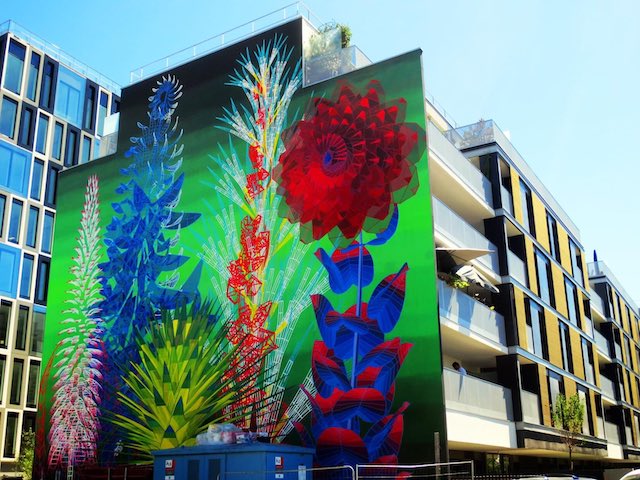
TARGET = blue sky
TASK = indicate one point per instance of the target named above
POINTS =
(562, 77)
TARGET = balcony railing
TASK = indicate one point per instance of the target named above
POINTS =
(531, 412)
(608, 387)
(469, 394)
(457, 162)
(601, 342)
(517, 268)
(612, 432)
(507, 200)
(597, 302)
(332, 64)
(451, 225)
(471, 314)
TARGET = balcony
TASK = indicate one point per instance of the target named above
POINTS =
(608, 387)
(469, 394)
(612, 432)
(602, 343)
(461, 167)
(471, 314)
(332, 64)
(531, 412)
(597, 303)
(507, 200)
(517, 268)
(452, 226)
(600, 269)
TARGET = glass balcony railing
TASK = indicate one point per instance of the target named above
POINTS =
(332, 64)
(452, 226)
(602, 343)
(468, 394)
(471, 314)
(507, 200)
(457, 162)
(608, 387)
(530, 407)
(601, 433)
(517, 268)
(612, 432)
(597, 302)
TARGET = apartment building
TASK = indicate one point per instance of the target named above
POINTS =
(525, 315)
(55, 113)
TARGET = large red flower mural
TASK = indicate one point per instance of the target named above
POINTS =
(347, 163)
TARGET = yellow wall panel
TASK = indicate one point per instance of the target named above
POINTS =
(569, 387)
(517, 196)
(540, 219)
(521, 319)
(576, 353)
(553, 338)
(558, 290)
(594, 417)
(531, 266)
(544, 395)
(565, 255)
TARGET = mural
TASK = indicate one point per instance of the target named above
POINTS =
(223, 268)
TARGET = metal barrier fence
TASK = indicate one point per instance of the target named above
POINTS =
(345, 472)
(437, 471)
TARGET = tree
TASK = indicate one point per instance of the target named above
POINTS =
(568, 416)
(25, 461)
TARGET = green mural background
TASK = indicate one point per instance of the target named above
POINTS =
(206, 93)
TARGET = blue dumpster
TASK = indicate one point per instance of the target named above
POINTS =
(259, 461)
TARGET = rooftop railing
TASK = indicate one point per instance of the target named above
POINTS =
(221, 40)
(58, 54)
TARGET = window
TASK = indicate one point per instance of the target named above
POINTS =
(536, 338)
(11, 435)
(58, 132)
(89, 108)
(47, 232)
(14, 67)
(565, 345)
(27, 127)
(15, 221)
(15, 395)
(587, 359)
(543, 269)
(576, 263)
(27, 275)
(71, 149)
(42, 280)
(34, 384)
(21, 328)
(583, 395)
(527, 208)
(32, 79)
(556, 386)
(43, 130)
(69, 96)
(554, 246)
(102, 112)
(115, 104)
(627, 351)
(52, 187)
(9, 270)
(86, 149)
(3, 362)
(37, 332)
(3, 204)
(32, 226)
(15, 166)
(46, 92)
(572, 301)
(5, 318)
(36, 179)
(8, 115)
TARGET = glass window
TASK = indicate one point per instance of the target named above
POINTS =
(36, 179)
(536, 338)
(15, 396)
(543, 269)
(15, 169)
(5, 318)
(46, 93)
(565, 344)
(15, 221)
(25, 136)
(37, 332)
(27, 275)
(21, 327)
(86, 149)
(556, 386)
(102, 112)
(34, 384)
(52, 187)
(69, 96)
(8, 115)
(576, 263)
(14, 67)
(115, 105)
(554, 247)
(47, 232)
(584, 399)
(32, 79)
(11, 435)
(587, 358)
(89, 108)
(71, 152)
(32, 226)
(3, 362)
(42, 280)
(58, 132)
(527, 208)
(43, 130)
(572, 301)
(3, 204)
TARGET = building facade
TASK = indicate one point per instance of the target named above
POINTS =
(53, 112)
(533, 318)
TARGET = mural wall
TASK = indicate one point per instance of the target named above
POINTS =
(255, 253)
